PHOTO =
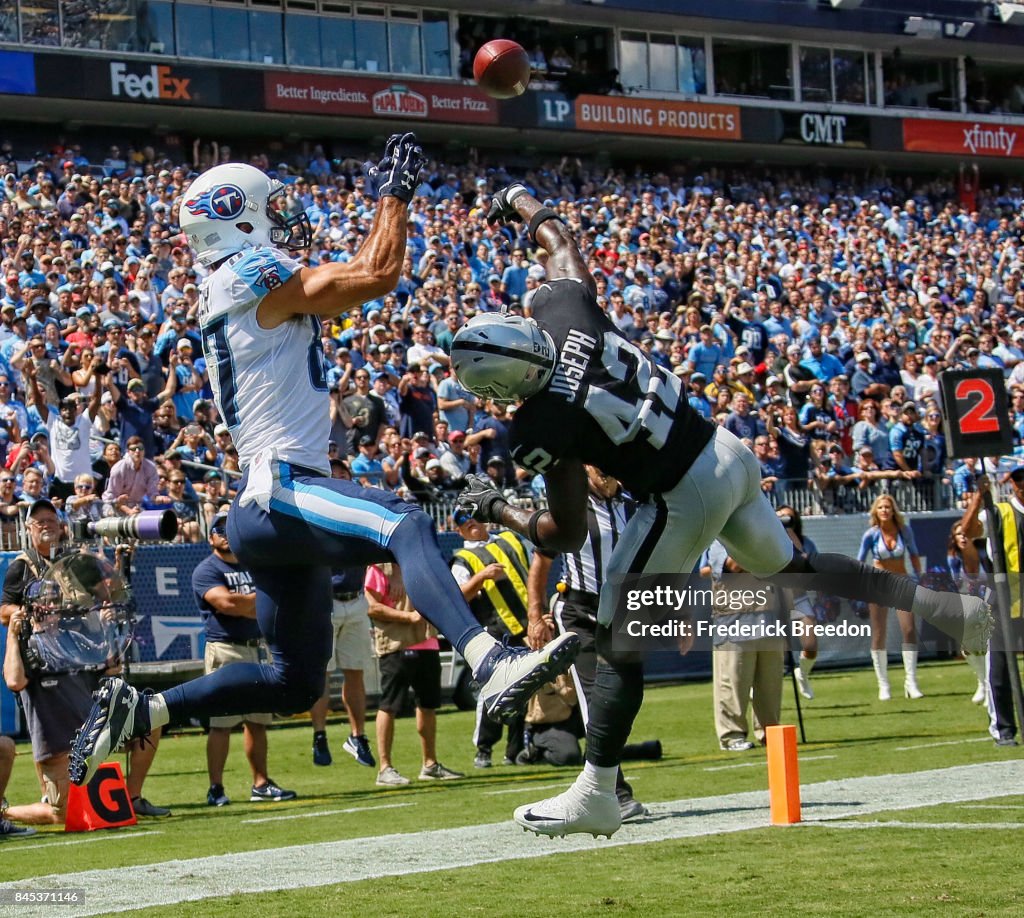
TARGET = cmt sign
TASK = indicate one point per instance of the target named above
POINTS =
(823, 129)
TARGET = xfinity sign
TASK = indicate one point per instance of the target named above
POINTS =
(823, 129)
(158, 83)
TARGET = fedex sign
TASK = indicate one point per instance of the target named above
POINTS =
(156, 83)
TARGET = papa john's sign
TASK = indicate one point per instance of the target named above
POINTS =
(616, 115)
(963, 138)
(361, 96)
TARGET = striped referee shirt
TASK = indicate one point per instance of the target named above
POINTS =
(584, 570)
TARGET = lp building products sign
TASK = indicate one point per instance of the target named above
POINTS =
(345, 95)
(616, 115)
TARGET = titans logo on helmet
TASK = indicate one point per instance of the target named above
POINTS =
(225, 202)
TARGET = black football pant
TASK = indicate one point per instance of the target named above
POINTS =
(581, 620)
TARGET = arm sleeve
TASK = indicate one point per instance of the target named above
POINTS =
(866, 544)
(908, 540)
(204, 578)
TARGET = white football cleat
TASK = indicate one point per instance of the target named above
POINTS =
(978, 624)
(571, 812)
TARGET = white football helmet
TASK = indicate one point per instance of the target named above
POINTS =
(503, 357)
(235, 206)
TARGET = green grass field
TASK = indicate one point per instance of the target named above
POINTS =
(812, 870)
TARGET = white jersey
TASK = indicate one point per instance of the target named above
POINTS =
(270, 385)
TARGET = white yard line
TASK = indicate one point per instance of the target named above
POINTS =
(957, 742)
(764, 764)
(104, 836)
(527, 787)
(311, 865)
(901, 824)
(992, 806)
(354, 809)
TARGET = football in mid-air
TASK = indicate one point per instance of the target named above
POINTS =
(501, 69)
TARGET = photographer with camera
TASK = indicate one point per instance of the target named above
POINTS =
(55, 702)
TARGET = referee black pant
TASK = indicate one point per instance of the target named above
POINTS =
(1002, 718)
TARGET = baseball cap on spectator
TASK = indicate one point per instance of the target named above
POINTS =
(41, 504)
(136, 384)
(793, 349)
(112, 323)
(432, 464)
(218, 523)
(183, 343)
(932, 359)
(221, 429)
(909, 406)
(862, 356)
(456, 435)
(492, 279)
(434, 367)
(40, 435)
(973, 352)
(378, 328)
(681, 370)
(495, 460)
(420, 435)
(663, 334)
(106, 399)
(744, 368)
(772, 381)
(421, 453)
(697, 376)
(212, 475)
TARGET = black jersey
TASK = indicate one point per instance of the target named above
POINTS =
(607, 403)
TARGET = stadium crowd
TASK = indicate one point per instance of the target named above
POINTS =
(808, 314)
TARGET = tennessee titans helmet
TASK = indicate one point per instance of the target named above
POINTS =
(236, 206)
(503, 357)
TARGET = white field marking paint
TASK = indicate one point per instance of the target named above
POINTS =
(526, 787)
(310, 865)
(764, 764)
(900, 824)
(991, 806)
(956, 742)
(113, 836)
(354, 809)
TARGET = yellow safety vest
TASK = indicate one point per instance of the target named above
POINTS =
(505, 598)
(1011, 551)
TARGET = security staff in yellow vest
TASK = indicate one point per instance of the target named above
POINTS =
(1008, 529)
(492, 572)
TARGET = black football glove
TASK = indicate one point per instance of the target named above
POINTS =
(398, 172)
(481, 499)
(502, 209)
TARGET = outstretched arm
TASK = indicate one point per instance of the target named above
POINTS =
(560, 528)
(564, 259)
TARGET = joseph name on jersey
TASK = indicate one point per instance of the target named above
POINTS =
(607, 402)
(269, 384)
